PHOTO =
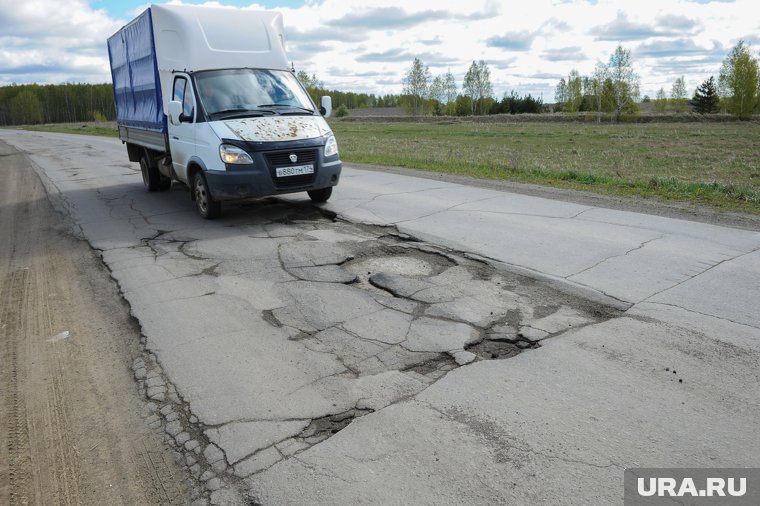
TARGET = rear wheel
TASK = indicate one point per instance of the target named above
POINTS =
(320, 195)
(153, 180)
(208, 208)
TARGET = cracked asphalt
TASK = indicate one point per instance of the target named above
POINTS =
(416, 341)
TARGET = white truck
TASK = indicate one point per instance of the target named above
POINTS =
(206, 96)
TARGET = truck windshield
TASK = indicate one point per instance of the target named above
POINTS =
(241, 92)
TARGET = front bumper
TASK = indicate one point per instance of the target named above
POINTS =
(253, 183)
(260, 178)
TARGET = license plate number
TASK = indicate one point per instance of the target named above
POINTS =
(296, 170)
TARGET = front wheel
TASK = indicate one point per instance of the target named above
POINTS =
(208, 208)
(321, 195)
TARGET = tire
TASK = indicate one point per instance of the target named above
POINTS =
(208, 208)
(153, 180)
(321, 195)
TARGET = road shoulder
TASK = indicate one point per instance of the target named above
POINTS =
(71, 415)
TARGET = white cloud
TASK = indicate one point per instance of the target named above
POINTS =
(367, 45)
(54, 40)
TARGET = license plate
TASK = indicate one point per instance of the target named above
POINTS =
(296, 170)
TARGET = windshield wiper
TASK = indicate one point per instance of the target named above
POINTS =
(289, 106)
(240, 112)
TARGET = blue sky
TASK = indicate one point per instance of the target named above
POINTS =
(117, 8)
(368, 45)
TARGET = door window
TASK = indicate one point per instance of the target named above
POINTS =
(181, 94)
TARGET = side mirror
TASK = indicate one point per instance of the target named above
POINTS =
(326, 109)
(175, 112)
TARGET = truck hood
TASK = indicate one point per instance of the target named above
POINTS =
(274, 128)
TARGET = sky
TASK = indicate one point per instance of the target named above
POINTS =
(367, 46)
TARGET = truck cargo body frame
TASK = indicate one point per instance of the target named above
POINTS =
(156, 141)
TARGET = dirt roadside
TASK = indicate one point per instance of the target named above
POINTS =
(71, 430)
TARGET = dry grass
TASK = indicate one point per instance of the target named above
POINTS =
(711, 163)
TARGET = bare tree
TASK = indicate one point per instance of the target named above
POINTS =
(678, 95)
(560, 95)
(450, 90)
(596, 87)
(661, 100)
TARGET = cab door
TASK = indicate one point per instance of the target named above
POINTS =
(182, 134)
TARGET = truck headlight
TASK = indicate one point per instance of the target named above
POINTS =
(234, 155)
(331, 146)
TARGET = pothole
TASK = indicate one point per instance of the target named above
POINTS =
(270, 318)
(415, 313)
(499, 350)
(435, 368)
(327, 426)
(402, 265)
(378, 256)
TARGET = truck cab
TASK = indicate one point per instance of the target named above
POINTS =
(221, 111)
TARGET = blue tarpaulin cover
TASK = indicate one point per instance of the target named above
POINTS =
(134, 71)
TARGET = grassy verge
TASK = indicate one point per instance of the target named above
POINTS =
(105, 129)
(715, 164)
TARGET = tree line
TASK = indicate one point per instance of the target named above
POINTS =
(440, 96)
(614, 88)
(344, 100)
(29, 104)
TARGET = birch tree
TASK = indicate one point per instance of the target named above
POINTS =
(477, 86)
(678, 95)
(596, 88)
(450, 89)
(625, 82)
(574, 94)
(416, 83)
(738, 80)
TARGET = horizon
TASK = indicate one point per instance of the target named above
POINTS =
(368, 49)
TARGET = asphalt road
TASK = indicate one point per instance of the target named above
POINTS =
(435, 343)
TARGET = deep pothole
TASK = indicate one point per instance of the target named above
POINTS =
(443, 309)
(327, 426)
(393, 255)
(500, 350)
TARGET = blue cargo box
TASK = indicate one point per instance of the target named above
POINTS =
(134, 71)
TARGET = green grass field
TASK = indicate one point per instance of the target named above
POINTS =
(715, 164)
(106, 128)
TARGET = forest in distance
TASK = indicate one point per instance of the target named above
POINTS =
(34, 104)
(613, 89)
